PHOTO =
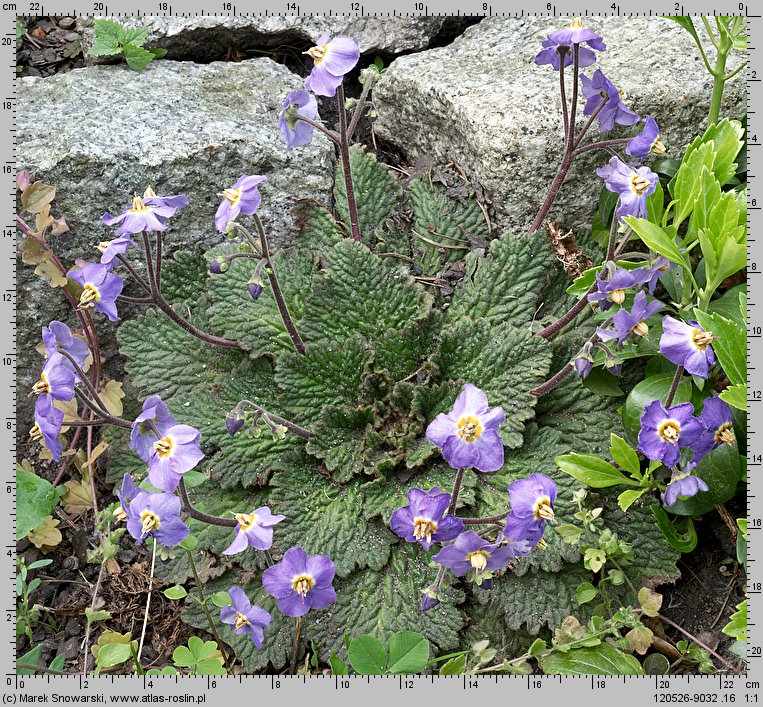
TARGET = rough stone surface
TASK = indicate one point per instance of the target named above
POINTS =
(205, 38)
(483, 102)
(101, 133)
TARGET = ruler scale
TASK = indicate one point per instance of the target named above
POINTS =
(71, 689)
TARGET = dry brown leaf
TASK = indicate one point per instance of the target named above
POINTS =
(49, 270)
(46, 535)
(112, 395)
(77, 499)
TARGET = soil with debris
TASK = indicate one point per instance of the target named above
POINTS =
(47, 46)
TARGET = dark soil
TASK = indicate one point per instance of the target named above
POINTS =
(49, 45)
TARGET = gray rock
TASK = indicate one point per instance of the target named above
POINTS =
(206, 38)
(101, 133)
(483, 102)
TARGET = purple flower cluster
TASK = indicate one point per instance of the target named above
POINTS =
(605, 102)
(425, 519)
(629, 324)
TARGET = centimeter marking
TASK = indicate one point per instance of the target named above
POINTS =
(674, 688)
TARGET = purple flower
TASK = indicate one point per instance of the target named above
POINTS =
(428, 600)
(525, 533)
(219, 265)
(58, 337)
(146, 214)
(128, 492)
(633, 186)
(687, 345)
(333, 59)
(298, 133)
(177, 452)
(255, 529)
(233, 424)
(613, 289)
(559, 44)
(533, 497)
(599, 89)
(254, 290)
(719, 427)
(683, 484)
(56, 379)
(424, 519)
(633, 323)
(100, 288)
(110, 249)
(245, 618)
(155, 416)
(471, 552)
(158, 515)
(47, 425)
(468, 435)
(658, 266)
(648, 140)
(300, 583)
(242, 198)
(664, 432)
(583, 365)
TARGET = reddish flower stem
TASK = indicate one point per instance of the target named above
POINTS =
(187, 506)
(674, 386)
(456, 491)
(344, 152)
(487, 520)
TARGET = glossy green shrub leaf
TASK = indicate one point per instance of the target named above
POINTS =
(731, 345)
(592, 471)
(603, 659)
(643, 393)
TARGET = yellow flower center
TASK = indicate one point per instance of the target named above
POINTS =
(302, 584)
(163, 447)
(232, 195)
(318, 54)
(701, 339)
(639, 184)
(150, 522)
(658, 147)
(725, 434)
(36, 433)
(89, 297)
(103, 245)
(469, 429)
(542, 544)
(42, 385)
(241, 620)
(245, 520)
(577, 23)
(641, 329)
(617, 296)
(669, 431)
(543, 509)
(138, 206)
(478, 560)
(119, 514)
(423, 528)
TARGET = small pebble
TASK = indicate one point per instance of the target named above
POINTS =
(67, 22)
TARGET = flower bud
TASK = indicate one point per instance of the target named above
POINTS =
(428, 601)
(219, 265)
(255, 290)
(234, 424)
(23, 180)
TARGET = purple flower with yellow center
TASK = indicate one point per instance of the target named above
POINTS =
(100, 288)
(600, 89)
(333, 59)
(255, 529)
(533, 497)
(157, 515)
(242, 198)
(296, 132)
(47, 425)
(300, 583)
(468, 435)
(665, 432)
(628, 324)
(177, 452)
(128, 492)
(632, 185)
(683, 484)
(245, 618)
(146, 214)
(151, 425)
(56, 379)
(471, 552)
(613, 289)
(647, 141)
(658, 266)
(58, 337)
(110, 249)
(559, 44)
(719, 427)
(424, 519)
(687, 345)
(525, 533)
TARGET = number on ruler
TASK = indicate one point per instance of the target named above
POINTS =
(354, 7)
(98, 7)
(163, 7)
